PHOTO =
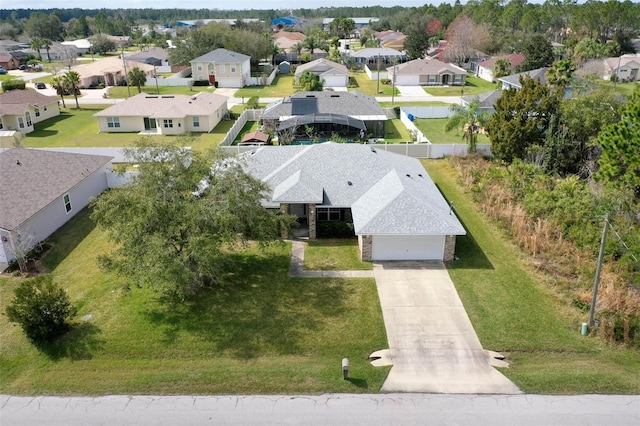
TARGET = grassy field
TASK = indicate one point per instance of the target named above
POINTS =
(334, 255)
(433, 128)
(396, 132)
(515, 314)
(474, 86)
(122, 92)
(78, 128)
(369, 87)
(282, 86)
(258, 332)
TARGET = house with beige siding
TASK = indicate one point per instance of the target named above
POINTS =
(222, 66)
(427, 72)
(164, 114)
(109, 71)
(20, 110)
(331, 73)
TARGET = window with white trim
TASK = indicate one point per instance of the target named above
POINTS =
(233, 69)
(27, 115)
(328, 215)
(196, 121)
(168, 123)
(67, 202)
(432, 79)
(37, 111)
(221, 68)
(199, 67)
(113, 121)
(20, 122)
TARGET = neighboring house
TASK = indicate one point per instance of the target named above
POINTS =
(83, 45)
(513, 81)
(57, 52)
(359, 22)
(8, 61)
(194, 23)
(222, 66)
(485, 69)
(342, 113)
(391, 39)
(486, 100)
(109, 71)
(332, 73)
(164, 115)
(120, 41)
(427, 72)
(156, 56)
(396, 210)
(10, 45)
(40, 191)
(625, 68)
(21, 109)
(385, 55)
(286, 22)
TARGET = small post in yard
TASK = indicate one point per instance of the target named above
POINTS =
(596, 281)
(345, 368)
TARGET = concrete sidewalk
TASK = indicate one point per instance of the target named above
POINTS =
(432, 345)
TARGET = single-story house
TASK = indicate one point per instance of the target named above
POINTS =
(485, 68)
(513, 81)
(156, 56)
(344, 113)
(396, 210)
(256, 138)
(164, 114)
(109, 71)
(10, 45)
(391, 39)
(332, 73)
(226, 67)
(21, 109)
(486, 100)
(83, 45)
(427, 72)
(8, 61)
(40, 190)
(57, 52)
(625, 68)
(120, 41)
(385, 55)
(286, 22)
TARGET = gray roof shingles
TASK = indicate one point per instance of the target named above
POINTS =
(352, 104)
(222, 56)
(30, 179)
(388, 193)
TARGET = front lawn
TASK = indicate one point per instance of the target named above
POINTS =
(258, 331)
(78, 128)
(120, 92)
(334, 255)
(433, 129)
(473, 86)
(360, 81)
(282, 86)
(515, 313)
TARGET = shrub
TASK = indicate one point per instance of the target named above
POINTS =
(385, 81)
(252, 103)
(41, 308)
(201, 82)
(13, 84)
(334, 229)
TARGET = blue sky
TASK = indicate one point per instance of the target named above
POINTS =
(199, 4)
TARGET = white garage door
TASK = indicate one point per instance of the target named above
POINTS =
(335, 81)
(408, 247)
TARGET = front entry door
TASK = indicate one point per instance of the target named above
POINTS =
(149, 123)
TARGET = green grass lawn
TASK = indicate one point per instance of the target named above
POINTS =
(433, 129)
(334, 255)
(369, 87)
(396, 132)
(473, 86)
(122, 92)
(78, 128)
(250, 126)
(282, 86)
(515, 314)
(258, 332)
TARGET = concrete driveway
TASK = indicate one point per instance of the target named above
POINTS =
(432, 345)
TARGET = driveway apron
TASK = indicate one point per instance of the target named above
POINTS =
(432, 345)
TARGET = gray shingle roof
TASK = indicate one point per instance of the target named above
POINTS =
(222, 56)
(352, 104)
(539, 74)
(40, 178)
(388, 193)
(374, 52)
(426, 67)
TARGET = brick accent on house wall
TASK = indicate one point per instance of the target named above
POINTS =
(284, 232)
(366, 247)
(311, 209)
(449, 248)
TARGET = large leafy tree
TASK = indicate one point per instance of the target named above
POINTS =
(538, 53)
(470, 119)
(176, 226)
(418, 31)
(45, 26)
(560, 75)
(137, 77)
(620, 145)
(521, 119)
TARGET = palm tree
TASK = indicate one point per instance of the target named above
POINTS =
(58, 83)
(46, 43)
(560, 74)
(470, 119)
(36, 44)
(72, 82)
(137, 77)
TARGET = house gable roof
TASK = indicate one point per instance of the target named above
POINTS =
(166, 106)
(388, 193)
(539, 74)
(110, 65)
(223, 56)
(374, 52)
(323, 66)
(15, 102)
(352, 104)
(30, 179)
(515, 59)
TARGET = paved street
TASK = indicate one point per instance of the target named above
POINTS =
(328, 409)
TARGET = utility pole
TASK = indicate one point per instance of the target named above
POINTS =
(155, 74)
(126, 77)
(378, 89)
(596, 281)
(393, 82)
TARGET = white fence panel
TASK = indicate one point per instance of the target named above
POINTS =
(261, 81)
(420, 137)
(232, 134)
(428, 112)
